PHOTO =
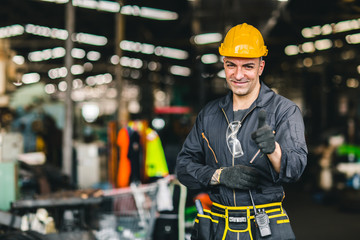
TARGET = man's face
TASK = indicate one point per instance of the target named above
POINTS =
(242, 74)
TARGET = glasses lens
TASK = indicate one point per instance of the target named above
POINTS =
(233, 143)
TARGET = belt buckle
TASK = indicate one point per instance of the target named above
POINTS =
(237, 219)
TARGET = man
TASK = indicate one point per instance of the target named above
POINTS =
(242, 147)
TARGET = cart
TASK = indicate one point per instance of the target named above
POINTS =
(130, 213)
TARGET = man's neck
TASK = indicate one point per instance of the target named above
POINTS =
(244, 102)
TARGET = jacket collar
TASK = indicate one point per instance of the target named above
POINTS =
(265, 95)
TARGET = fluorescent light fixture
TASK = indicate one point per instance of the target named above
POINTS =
(171, 53)
(56, 1)
(106, 6)
(62, 86)
(11, 31)
(291, 50)
(50, 88)
(180, 70)
(353, 38)
(58, 52)
(145, 48)
(77, 69)
(57, 73)
(18, 59)
(77, 83)
(131, 62)
(91, 39)
(93, 55)
(307, 33)
(221, 74)
(323, 44)
(46, 54)
(158, 14)
(78, 53)
(209, 58)
(115, 59)
(46, 31)
(109, 6)
(308, 47)
(29, 78)
(151, 13)
(207, 38)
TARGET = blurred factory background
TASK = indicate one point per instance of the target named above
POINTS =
(74, 74)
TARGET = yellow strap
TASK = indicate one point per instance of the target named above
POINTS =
(206, 216)
(247, 207)
(283, 221)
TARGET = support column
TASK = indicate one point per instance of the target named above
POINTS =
(69, 113)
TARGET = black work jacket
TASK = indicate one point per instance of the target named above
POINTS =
(205, 148)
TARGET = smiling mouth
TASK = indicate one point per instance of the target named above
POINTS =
(239, 82)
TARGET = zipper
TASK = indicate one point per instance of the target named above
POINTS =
(203, 135)
(233, 159)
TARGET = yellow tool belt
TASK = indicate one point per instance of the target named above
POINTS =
(226, 221)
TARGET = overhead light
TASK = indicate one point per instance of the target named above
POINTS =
(352, 83)
(29, 78)
(50, 88)
(77, 69)
(291, 50)
(158, 14)
(171, 53)
(18, 59)
(56, 1)
(11, 31)
(146, 48)
(99, 5)
(46, 31)
(323, 44)
(93, 55)
(221, 74)
(151, 13)
(308, 47)
(78, 53)
(209, 58)
(207, 38)
(131, 62)
(57, 73)
(90, 39)
(353, 38)
(179, 70)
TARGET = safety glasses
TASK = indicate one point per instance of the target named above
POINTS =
(233, 143)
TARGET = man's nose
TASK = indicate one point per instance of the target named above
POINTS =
(239, 73)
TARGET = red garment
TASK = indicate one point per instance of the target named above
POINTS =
(124, 167)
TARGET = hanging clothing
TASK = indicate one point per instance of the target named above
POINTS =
(155, 162)
(124, 166)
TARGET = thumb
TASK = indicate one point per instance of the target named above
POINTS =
(262, 118)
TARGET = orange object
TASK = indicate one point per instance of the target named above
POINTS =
(124, 167)
(205, 200)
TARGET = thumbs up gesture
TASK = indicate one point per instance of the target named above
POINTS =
(264, 136)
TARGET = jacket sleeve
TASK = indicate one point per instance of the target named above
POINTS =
(191, 168)
(290, 134)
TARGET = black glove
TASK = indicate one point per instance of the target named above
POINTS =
(240, 177)
(264, 136)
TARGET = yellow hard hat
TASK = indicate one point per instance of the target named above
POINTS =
(245, 41)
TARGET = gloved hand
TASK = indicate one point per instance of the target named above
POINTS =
(240, 177)
(264, 136)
